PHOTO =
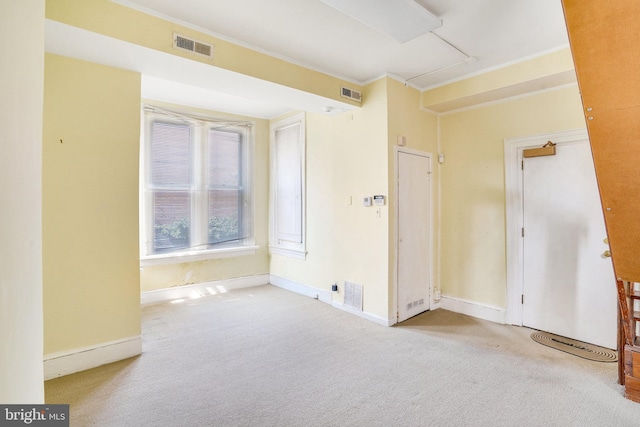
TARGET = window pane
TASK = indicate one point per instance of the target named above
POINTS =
(225, 197)
(224, 158)
(170, 154)
(224, 211)
(171, 220)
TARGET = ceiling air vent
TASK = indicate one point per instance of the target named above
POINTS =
(352, 94)
(185, 43)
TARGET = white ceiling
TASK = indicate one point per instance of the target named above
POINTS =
(311, 33)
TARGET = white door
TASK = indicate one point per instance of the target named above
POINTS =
(414, 234)
(568, 282)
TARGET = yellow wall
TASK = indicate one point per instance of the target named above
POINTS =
(473, 257)
(165, 276)
(91, 134)
(317, 269)
(545, 71)
(349, 155)
(420, 128)
(117, 21)
(360, 169)
(346, 157)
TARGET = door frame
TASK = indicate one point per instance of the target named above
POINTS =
(429, 156)
(513, 148)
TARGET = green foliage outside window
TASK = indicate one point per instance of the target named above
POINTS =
(221, 229)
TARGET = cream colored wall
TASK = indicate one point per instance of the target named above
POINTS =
(317, 269)
(420, 128)
(91, 134)
(473, 258)
(183, 273)
(346, 157)
(21, 87)
(123, 23)
(351, 155)
(534, 74)
(360, 169)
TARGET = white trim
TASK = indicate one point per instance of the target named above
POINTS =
(80, 359)
(324, 296)
(302, 289)
(276, 246)
(363, 314)
(199, 162)
(403, 81)
(436, 286)
(291, 253)
(198, 290)
(432, 300)
(513, 187)
(191, 256)
(475, 309)
(392, 77)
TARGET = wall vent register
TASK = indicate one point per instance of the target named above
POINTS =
(352, 94)
(353, 295)
(191, 45)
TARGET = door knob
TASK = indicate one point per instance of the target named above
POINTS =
(606, 254)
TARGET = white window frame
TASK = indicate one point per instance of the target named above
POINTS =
(200, 127)
(277, 246)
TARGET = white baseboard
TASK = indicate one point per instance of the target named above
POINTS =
(368, 316)
(200, 289)
(80, 359)
(324, 296)
(299, 288)
(471, 308)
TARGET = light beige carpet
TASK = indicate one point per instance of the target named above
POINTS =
(267, 357)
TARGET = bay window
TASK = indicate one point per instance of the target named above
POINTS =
(196, 193)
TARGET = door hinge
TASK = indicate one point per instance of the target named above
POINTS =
(522, 165)
(522, 231)
(522, 299)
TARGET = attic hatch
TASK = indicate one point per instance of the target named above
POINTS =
(191, 45)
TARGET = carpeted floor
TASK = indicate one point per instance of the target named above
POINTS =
(267, 357)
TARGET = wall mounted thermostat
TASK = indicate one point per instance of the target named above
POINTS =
(366, 201)
(378, 200)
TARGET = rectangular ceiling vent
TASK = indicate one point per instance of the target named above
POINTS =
(352, 94)
(194, 46)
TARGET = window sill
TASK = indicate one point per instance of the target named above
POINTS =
(291, 253)
(192, 256)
